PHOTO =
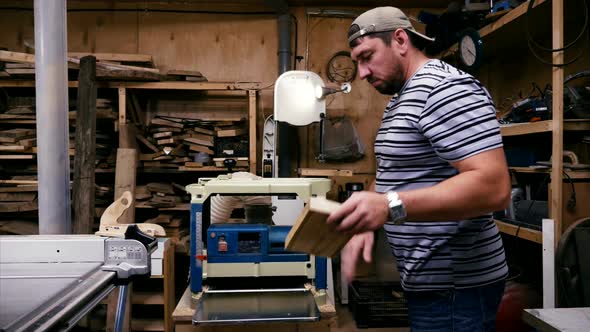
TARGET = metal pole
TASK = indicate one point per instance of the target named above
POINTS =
(121, 305)
(51, 83)
(286, 133)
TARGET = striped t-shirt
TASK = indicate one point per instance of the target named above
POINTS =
(440, 115)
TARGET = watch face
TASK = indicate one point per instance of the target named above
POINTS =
(468, 50)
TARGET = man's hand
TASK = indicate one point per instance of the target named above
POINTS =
(360, 244)
(363, 212)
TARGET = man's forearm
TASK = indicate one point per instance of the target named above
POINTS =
(463, 196)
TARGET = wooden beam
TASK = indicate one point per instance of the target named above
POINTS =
(219, 86)
(85, 141)
(556, 199)
(114, 56)
(17, 57)
(125, 174)
(521, 232)
(324, 172)
(252, 118)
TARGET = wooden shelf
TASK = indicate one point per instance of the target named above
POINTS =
(172, 85)
(509, 17)
(546, 170)
(515, 129)
(522, 231)
(178, 207)
(153, 170)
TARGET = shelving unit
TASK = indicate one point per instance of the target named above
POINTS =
(520, 231)
(250, 89)
(489, 29)
(515, 129)
(505, 50)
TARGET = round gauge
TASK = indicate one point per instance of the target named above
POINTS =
(471, 49)
(341, 68)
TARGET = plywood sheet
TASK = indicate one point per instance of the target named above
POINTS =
(311, 234)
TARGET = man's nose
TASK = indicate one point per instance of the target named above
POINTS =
(364, 72)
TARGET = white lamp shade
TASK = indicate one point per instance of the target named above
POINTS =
(295, 98)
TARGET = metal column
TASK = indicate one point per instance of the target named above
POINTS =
(51, 82)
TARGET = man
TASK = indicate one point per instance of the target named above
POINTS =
(441, 171)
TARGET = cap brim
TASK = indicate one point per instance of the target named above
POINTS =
(426, 39)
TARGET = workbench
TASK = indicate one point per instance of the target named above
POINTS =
(558, 319)
(183, 314)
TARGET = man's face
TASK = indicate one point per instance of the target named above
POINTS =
(379, 64)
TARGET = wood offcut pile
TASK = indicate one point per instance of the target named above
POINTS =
(172, 203)
(109, 66)
(18, 134)
(177, 227)
(193, 145)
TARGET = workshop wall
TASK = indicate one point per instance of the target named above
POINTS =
(224, 47)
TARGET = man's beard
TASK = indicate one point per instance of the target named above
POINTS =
(389, 87)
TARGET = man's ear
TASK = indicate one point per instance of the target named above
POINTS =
(400, 36)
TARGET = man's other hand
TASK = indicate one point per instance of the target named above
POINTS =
(360, 244)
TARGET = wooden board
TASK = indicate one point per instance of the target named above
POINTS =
(311, 234)
(125, 179)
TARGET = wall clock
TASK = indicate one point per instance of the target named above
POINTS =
(470, 49)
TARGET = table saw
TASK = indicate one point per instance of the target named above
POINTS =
(50, 282)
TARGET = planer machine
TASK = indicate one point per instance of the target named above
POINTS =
(241, 272)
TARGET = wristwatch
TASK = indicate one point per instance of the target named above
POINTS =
(397, 211)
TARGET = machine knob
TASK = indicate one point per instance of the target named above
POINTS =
(221, 245)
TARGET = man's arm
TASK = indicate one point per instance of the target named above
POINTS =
(482, 186)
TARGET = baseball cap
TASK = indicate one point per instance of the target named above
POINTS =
(382, 19)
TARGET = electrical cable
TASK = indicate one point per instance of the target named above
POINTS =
(532, 43)
(548, 49)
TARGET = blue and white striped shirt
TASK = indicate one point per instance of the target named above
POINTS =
(441, 115)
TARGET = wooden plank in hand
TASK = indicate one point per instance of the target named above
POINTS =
(311, 234)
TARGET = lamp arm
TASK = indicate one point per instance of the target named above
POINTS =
(322, 157)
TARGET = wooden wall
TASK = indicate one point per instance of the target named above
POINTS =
(223, 47)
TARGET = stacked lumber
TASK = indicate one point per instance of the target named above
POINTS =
(185, 75)
(18, 134)
(191, 145)
(18, 194)
(160, 195)
(18, 206)
(16, 143)
(108, 66)
(177, 227)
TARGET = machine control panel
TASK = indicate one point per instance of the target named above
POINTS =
(253, 243)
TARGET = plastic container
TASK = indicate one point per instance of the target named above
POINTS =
(378, 304)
